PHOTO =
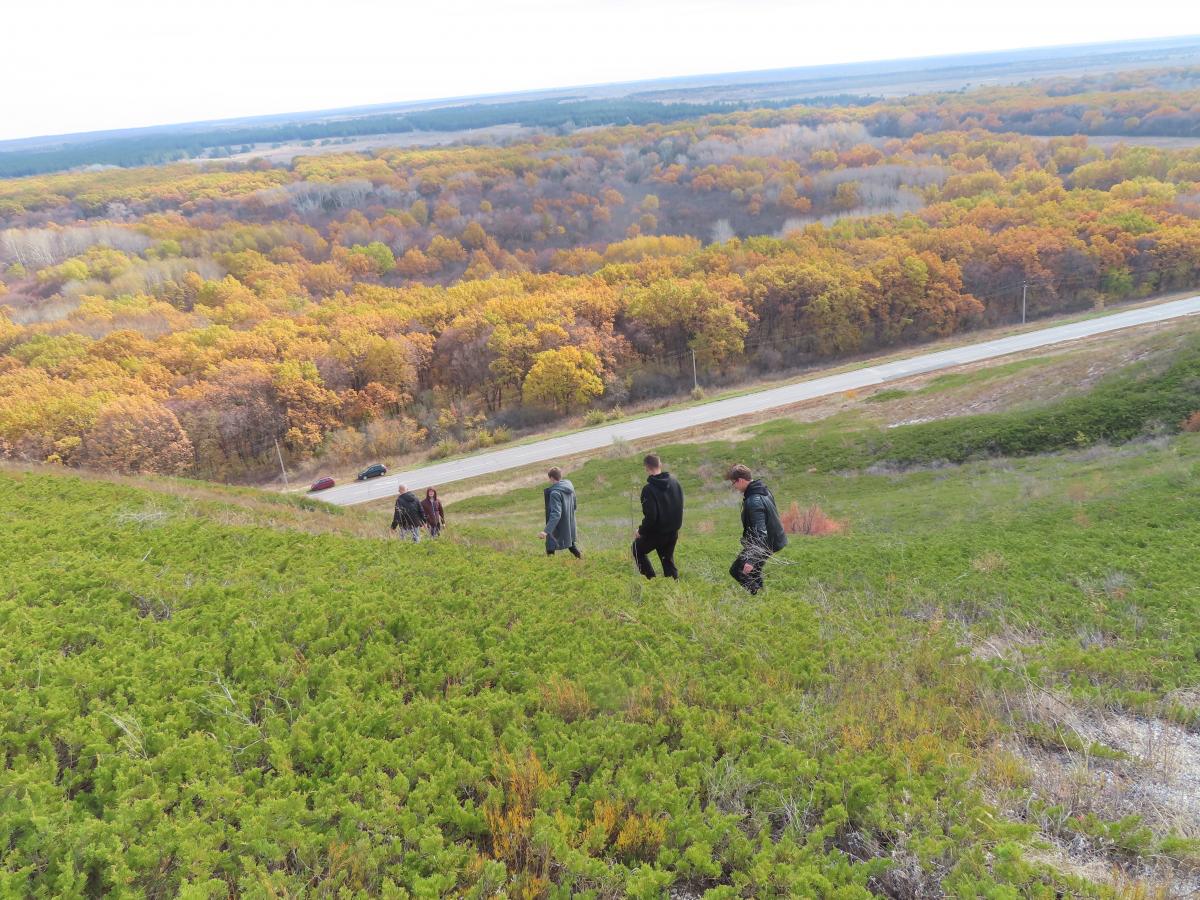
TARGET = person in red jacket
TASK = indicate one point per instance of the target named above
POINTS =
(435, 516)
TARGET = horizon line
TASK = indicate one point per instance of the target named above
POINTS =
(133, 130)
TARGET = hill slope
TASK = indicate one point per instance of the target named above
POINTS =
(207, 698)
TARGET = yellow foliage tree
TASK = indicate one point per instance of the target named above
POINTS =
(563, 378)
(137, 434)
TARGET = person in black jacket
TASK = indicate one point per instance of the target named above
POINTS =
(408, 515)
(762, 530)
(662, 517)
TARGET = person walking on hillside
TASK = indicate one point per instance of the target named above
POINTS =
(662, 517)
(560, 500)
(408, 515)
(435, 516)
(762, 530)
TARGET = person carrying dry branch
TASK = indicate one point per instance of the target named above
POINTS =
(762, 530)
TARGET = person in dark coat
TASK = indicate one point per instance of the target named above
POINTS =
(762, 530)
(435, 516)
(560, 500)
(662, 517)
(408, 516)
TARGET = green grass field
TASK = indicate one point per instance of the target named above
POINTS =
(211, 694)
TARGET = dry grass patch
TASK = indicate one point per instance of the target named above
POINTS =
(989, 562)
(810, 521)
(1007, 644)
(566, 699)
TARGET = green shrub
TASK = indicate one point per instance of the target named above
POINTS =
(206, 709)
(444, 448)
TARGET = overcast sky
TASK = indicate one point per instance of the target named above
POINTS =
(82, 65)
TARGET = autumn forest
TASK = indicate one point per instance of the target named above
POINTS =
(188, 318)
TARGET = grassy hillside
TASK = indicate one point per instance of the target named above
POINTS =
(984, 685)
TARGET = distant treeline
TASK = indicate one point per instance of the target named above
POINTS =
(162, 148)
(1142, 103)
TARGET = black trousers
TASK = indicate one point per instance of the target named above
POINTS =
(574, 552)
(753, 582)
(663, 545)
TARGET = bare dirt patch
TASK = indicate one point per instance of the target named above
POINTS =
(1079, 767)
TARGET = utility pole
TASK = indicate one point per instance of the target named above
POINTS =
(282, 470)
(695, 377)
(1024, 291)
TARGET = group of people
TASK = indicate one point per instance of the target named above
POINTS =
(763, 534)
(412, 516)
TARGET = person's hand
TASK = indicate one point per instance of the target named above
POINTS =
(637, 534)
(542, 535)
(747, 569)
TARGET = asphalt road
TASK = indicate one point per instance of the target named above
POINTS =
(665, 423)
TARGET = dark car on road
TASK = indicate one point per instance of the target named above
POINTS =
(321, 484)
(372, 471)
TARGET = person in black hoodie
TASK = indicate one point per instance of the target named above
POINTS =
(662, 517)
(762, 530)
(408, 515)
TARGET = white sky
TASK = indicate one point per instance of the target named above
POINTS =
(82, 65)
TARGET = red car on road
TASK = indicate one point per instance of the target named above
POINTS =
(321, 484)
